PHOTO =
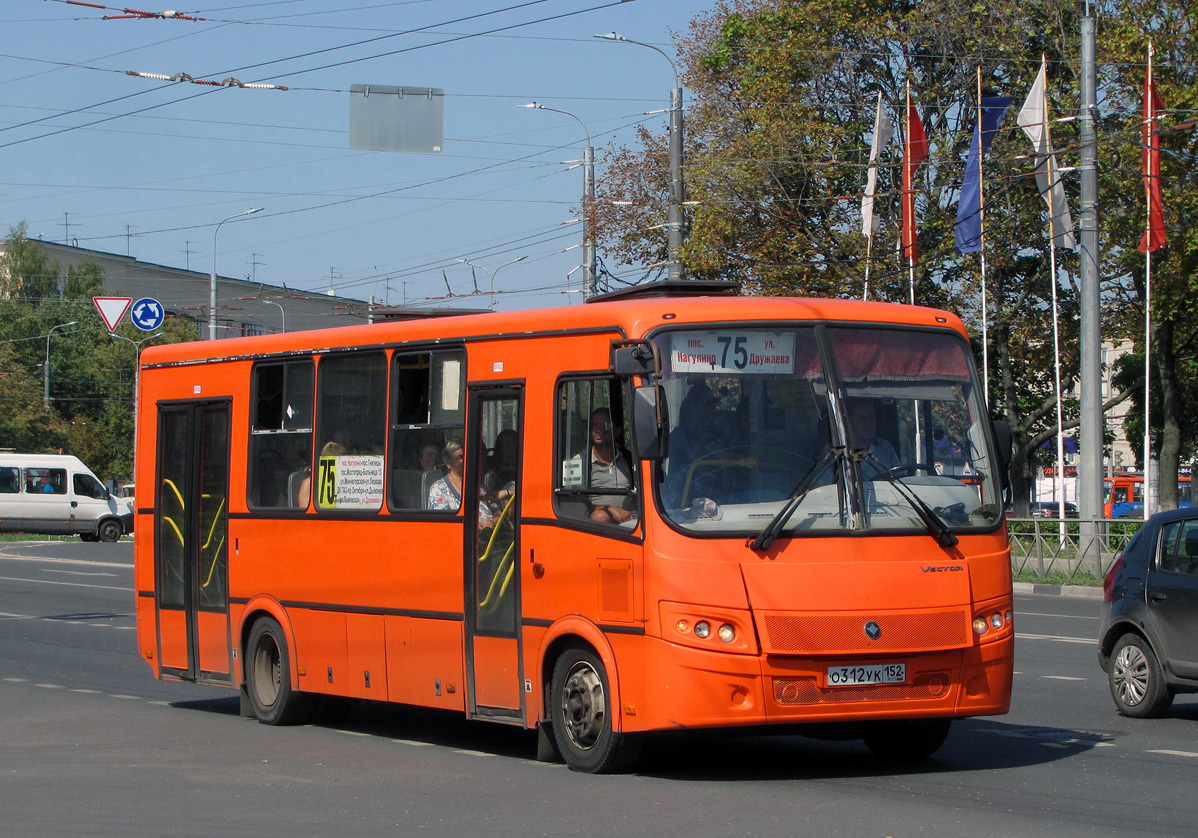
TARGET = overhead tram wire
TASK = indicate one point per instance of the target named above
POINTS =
(313, 69)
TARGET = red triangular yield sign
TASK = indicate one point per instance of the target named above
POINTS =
(112, 309)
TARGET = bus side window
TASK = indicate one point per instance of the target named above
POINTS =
(596, 477)
(427, 412)
(281, 434)
(351, 428)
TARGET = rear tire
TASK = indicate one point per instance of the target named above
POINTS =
(907, 740)
(268, 676)
(1136, 680)
(580, 710)
(110, 531)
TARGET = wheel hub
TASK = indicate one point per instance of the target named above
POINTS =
(584, 706)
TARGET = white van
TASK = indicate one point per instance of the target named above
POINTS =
(56, 493)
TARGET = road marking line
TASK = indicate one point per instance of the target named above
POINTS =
(81, 572)
(17, 616)
(351, 732)
(133, 697)
(1087, 640)
(48, 560)
(49, 686)
(412, 742)
(92, 692)
(1172, 753)
(17, 680)
(160, 703)
(1062, 678)
(68, 584)
(472, 753)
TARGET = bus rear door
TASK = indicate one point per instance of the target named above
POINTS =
(191, 535)
(492, 551)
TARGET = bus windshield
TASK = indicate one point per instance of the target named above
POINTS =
(843, 428)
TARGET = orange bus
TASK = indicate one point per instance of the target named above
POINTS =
(1124, 494)
(682, 511)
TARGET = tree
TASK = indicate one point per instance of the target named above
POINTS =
(92, 375)
(25, 269)
(783, 96)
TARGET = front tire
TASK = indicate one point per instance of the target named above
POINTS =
(581, 710)
(907, 740)
(1136, 680)
(268, 676)
(110, 531)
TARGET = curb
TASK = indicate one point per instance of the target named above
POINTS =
(1080, 591)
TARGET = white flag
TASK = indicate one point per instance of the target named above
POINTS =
(1033, 119)
(883, 132)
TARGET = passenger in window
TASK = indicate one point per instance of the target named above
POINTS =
(446, 493)
(687, 440)
(428, 456)
(610, 469)
(500, 479)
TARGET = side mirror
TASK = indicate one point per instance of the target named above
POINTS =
(650, 421)
(634, 358)
(1003, 438)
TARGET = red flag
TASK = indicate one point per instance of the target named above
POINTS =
(1154, 231)
(915, 149)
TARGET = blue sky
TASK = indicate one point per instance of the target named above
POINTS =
(104, 160)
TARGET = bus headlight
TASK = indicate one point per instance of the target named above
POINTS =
(727, 633)
(702, 629)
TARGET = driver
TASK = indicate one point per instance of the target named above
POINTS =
(863, 425)
(863, 428)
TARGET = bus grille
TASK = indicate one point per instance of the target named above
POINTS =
(845, 633)
(808, 691)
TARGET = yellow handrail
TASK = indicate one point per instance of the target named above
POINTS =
(495, 528)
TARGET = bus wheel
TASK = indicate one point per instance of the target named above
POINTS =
(110, 531)
(907, 740)
(268, 675)
(581, 710)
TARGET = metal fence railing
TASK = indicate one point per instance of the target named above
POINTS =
(1078, 550)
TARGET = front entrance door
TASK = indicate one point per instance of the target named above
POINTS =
(492, 550)
(190, 537)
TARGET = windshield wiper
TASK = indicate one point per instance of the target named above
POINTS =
(931, 521)
(766, 537)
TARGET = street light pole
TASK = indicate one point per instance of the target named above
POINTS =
(491, 274)
(677, 192)
(282, 311)
(46, 368)
(588, 202)
(212, 277)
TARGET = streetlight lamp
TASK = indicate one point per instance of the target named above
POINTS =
(491, 274)
(282, 311)
(588, 200)
(677, 194)
(46, 367)
(212, 278)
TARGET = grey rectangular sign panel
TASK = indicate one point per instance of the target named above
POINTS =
(383, 118)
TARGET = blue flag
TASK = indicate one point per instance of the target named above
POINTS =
(969, 209)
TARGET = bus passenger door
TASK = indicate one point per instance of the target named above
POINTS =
(492, 551)
(191, 535)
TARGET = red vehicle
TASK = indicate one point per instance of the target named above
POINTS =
(679, 513)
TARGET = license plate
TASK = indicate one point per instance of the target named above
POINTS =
(877, 673)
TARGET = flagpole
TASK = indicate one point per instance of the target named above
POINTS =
(911, 198)
(1147, 305)
(1050, 163)
(982, 252)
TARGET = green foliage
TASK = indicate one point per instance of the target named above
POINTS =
(91, 374)
(779, 123)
